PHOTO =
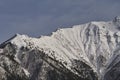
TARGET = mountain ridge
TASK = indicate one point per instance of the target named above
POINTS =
(88, 51)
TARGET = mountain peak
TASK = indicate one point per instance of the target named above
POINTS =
(116, 22)
(117, 19)
(76, 50)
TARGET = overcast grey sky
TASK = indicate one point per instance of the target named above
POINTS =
(41, 17)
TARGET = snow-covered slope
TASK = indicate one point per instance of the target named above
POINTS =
(94, 45)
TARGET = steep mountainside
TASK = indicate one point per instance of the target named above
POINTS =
(89, 51)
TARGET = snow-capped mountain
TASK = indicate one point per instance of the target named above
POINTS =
(88, 51)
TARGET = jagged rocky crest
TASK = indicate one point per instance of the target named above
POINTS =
(89, 51)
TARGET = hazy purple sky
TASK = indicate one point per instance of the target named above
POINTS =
(41, 17)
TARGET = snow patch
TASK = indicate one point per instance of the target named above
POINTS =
(26, 72)
(1, 50)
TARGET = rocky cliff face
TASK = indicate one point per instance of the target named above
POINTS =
(84, 52)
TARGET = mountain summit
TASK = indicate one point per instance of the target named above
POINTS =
(88, 51)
